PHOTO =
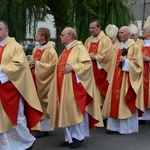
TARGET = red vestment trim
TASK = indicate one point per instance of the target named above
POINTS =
(37, 55)
(146, 52)
(33, 116)
(82, 99)
(130, 97)
(61, 64)
(1, 51)
(100, 78)
(10, 103)
(94, 47)
(116, 88)
(10, 100)
(80, 94)
(99, 75)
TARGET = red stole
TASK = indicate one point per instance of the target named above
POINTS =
(99, 75)
(30, 112)
(130, 97)
(61, 64)
(37, 55)
(9, 101)
(146, 52)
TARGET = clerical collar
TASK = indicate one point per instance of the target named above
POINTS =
(147, 42)
(43, 44)
(2, 42)
(67, 46)
(124, 45)
(95, 39)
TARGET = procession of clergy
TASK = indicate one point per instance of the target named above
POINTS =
(123, 92)
(101, 83)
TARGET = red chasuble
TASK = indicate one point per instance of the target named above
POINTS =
(146, 52)
(99, 75)
(37, 55)
(130, 96)
(80, 94)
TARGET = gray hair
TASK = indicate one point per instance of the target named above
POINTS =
(72, 32)
(5, 24)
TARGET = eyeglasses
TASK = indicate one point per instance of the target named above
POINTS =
(64, 34)
(133, 35)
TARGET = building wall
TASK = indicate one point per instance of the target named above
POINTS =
(138, 11)
(48, 23)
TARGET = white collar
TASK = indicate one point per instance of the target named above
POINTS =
(95, 39)
(67, 46)
(124, 45)
(147, 42)
(2, 42)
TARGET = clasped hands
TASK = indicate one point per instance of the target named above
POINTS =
(67, 68)
(32, 63)
(146, 58)
(92, 56)
(122, 58)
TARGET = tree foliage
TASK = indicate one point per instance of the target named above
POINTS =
(107, 11)
(15, 19)
(75, 13)
(18, 18)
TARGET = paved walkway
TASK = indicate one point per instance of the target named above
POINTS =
(99, 140)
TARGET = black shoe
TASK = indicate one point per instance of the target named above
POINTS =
(64, 144)
(142, 122)
(76, 143)
(75, 140)
(105, 122)
(111, 132)
(30, 148)
(41, 134)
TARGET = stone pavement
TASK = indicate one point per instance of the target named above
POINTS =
(99, 140)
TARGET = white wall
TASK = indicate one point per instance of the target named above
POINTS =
(48, 23)
(139, 22)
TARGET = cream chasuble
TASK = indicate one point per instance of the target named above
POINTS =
(64, 111)
(135, 75)
(15, 65)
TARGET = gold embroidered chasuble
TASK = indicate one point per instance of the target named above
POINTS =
(104, 54)
(146, 75)
(64, 111)
(136, 80)
(45, 69)
(14, 65)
